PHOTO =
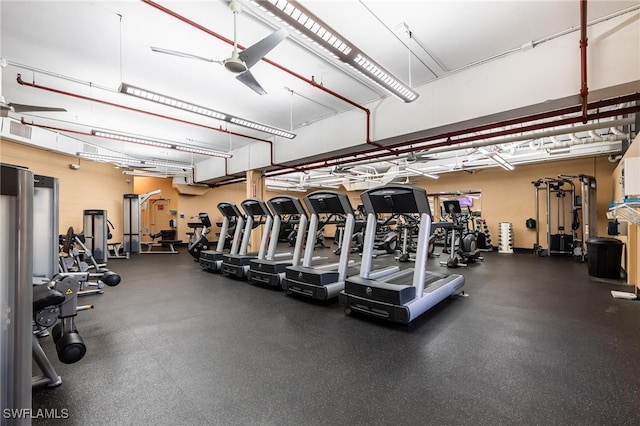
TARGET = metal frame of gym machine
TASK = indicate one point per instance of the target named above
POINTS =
(237, 264)
(270, 270)
(212, 259)
(586, 202)
(55, 295)
(131, 206)
(95, 231)
(406, 294)
(16, 294)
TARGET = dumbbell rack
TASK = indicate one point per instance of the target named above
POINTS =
(505, 243)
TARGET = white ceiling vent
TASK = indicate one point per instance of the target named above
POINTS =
(89, 148)
(19, 129)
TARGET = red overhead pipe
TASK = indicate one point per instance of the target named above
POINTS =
(154, 114)
(311, 81)
(584, 90)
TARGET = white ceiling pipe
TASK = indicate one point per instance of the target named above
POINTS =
(579, 141)
(452, 149)
(617, 131)
(537, 135)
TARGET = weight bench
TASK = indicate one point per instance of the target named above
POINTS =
(167, 240)
(160, 243)
(113, 250)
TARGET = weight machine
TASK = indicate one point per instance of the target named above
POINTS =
(132, 220)
(584, 206)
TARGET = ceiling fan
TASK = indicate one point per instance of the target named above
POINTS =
(239, 62)
(6, 107)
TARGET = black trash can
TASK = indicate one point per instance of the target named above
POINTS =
(604, 256)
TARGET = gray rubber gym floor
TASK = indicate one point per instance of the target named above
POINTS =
(537, 341)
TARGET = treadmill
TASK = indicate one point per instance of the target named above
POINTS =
(322, 282)
(271, 270)
(212, 259)
(403, 296)
(257, 213)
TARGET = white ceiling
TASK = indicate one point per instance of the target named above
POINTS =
(89, 48)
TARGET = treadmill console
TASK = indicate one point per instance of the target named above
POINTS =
(452, 206)
(396, 199)
(204, 218)
(328, 202)
(255, 207)
(229, 210)
(286, 205)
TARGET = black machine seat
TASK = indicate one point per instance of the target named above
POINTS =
(44, 296)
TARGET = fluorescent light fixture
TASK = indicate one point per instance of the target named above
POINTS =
(132, 139)
(497, 158)
(502, 162)
(420, 172)
(159, 144)
(311, 27)
(146, 174)
(196, 109)
(132, 161)
(202, 151)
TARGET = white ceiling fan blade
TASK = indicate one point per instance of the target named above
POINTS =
(249, 80)
(182, 54)
(252, 54)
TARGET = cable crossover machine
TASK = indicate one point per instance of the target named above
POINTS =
(563, 204)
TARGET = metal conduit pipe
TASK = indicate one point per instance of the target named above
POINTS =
(541, 134)
(579, 141)
(617, 131)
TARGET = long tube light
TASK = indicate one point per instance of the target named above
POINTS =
(196, 109)
(159, 144)
(502, 162)
(132, 161)
(146, 174)
(497, 158)
(420, 172)
(313, 28)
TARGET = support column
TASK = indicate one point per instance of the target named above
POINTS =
(255, 189)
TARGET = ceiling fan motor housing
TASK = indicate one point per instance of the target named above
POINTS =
(235, 65)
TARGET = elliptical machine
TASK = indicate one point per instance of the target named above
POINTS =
(463, 247)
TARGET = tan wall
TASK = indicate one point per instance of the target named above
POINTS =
(191, 205)
(93, 186)
(507, 196)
